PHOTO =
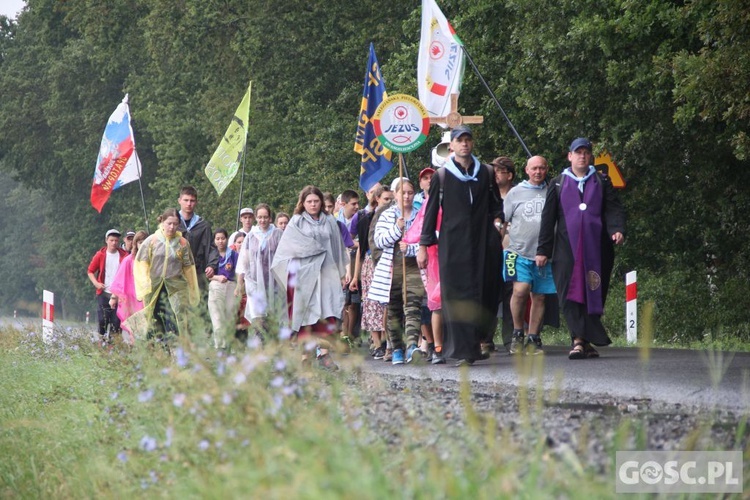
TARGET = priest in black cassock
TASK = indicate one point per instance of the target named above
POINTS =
(469, 246)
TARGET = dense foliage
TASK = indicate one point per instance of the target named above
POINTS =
(661, 85)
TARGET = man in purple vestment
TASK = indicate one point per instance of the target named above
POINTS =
(582, 220)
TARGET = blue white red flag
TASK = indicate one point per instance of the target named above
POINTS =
(376, 158)
(117, 163)
(440, 67)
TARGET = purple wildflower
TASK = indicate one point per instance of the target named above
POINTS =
(148, 443)
(145, 396)
(181, 357)
(285, 333)
(179, 399)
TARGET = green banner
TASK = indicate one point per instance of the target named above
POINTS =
(225, 162)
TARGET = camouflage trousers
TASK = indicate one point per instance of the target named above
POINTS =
(405, 317)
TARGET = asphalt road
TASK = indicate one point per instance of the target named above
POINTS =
(674, 376)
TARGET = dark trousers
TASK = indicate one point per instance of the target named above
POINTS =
(164, 318)
(106, 314)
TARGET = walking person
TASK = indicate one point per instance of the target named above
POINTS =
(166, 280)
(123, 289)
(265, 299)
(282, 219)
(197, 231)
(247, 219)
(221, 297)
(468, 247)
(505, 176)
(397, 276)
(523, 207)
(373, 312)
(311, 252)
(583, 219)
(101, 272)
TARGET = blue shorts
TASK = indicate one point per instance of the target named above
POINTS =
(517, 268)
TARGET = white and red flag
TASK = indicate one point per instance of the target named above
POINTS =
(440, 67)
(117, 163)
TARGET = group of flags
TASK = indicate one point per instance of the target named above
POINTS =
(440, 69)
(439, 72)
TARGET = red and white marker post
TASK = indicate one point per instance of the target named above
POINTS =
(48, 315)
(631, 307)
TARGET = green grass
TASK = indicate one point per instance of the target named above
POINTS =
(77, 421)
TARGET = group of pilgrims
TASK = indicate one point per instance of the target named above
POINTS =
(329, 272)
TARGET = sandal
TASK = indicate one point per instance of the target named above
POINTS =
(590, 351)
(578, 351)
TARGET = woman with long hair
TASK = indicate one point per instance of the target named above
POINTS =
(310, 264)
(165, 279)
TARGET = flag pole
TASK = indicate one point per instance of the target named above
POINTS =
(140, 186)
(242, 182)
(492, 95)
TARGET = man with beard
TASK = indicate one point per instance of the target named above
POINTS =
(468, 246)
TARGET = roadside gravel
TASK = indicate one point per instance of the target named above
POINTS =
(585, 429)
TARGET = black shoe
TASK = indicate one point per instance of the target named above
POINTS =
(516, 344)
(437, 358)
(533, 344)
(379, 353)
(464, 362)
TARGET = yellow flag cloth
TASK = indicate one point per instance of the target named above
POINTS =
(225, 162)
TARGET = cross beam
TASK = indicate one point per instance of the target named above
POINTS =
(454, 118)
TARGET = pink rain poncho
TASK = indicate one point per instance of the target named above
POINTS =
(127, 304)
(431, 275)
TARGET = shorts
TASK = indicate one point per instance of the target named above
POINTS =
(517, 268)
(426, 318)
(352, 297)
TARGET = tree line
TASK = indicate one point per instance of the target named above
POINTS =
(660, 85)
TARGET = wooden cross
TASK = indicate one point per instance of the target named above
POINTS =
(454, 118)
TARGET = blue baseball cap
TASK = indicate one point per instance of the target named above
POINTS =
(459, 131)
(581, 142)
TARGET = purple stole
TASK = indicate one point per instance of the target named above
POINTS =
(583, 218)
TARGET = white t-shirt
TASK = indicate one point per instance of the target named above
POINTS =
(110, 269)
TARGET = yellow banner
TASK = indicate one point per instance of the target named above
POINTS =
(225, 162)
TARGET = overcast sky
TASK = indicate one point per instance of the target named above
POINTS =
(11, 8)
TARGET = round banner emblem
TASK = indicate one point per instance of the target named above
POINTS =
(401, 123)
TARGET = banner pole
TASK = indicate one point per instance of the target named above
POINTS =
(492, 95)
(242, 183)
(403, 254)
(140, 186)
